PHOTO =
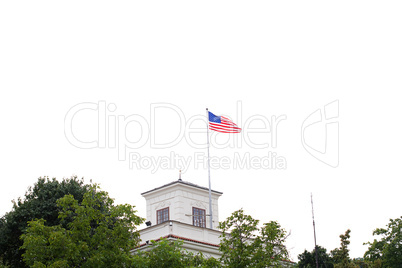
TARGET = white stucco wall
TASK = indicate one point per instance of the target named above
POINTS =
(181, 198)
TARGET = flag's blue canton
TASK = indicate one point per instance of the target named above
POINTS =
(213, 118)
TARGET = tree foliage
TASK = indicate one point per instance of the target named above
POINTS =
(307, 259)
(71, 224)
(340, 255)
(39, 202)
(166, 253)
(387, 250)
(97, 234)
(244, 244)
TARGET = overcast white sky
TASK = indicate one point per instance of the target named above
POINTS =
(153, 68)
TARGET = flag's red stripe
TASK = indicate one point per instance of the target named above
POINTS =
(224, 125)
(223, 131)
(225, 128)
(228, 123)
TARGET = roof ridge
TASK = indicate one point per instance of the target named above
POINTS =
(181, 182)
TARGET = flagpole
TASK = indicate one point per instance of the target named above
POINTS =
(209, 175)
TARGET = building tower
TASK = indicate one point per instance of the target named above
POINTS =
(179, 210)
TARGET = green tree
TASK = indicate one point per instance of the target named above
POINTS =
(1, 264)
(97, 234)
(39, 202)
(340, 255)
(387, 250)
(165, 253)
(244, 244)
(361, 263)
(307, 259)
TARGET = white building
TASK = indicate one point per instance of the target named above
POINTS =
(180, 210)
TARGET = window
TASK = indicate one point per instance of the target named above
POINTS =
(199, 217)
(162, 215)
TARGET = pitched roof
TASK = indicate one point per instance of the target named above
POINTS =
(179, 181)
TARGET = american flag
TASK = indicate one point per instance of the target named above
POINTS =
(222, 124)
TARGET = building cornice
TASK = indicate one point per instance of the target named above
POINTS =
(180, 182)
(166, 223)
(180, 238)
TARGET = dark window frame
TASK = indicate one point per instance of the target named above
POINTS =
(199, 220)
(160, 219)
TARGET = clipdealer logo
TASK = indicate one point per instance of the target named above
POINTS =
(112, 133)
(199, 160)
(320, 134)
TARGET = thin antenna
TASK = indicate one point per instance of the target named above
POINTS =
(315, 241)
(180, 175)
